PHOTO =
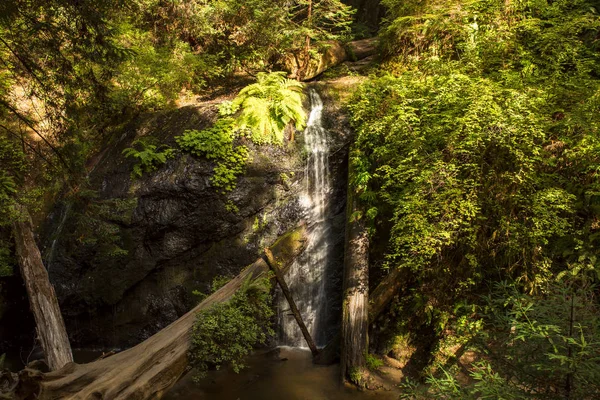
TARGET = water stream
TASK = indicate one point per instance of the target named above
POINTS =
(63, 218)
(306, 277)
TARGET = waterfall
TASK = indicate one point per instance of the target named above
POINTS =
(50, 257)
(306, 277)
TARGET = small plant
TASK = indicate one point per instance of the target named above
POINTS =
(219, 281)
(231, 207)
(217, 143)
(356, 376)
(149, 156)
(373, 363)
(227, 332)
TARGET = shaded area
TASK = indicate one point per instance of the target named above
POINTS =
(285, 373)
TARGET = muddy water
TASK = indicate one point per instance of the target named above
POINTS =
(288, 374)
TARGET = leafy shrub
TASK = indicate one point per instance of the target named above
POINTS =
(149, 156)
(154, 75)
(217, 143)
(373, 362)
(227, 332)
(532, 347)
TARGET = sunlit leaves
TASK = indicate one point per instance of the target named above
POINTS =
(269, 105)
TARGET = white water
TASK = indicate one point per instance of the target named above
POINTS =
(306, 277)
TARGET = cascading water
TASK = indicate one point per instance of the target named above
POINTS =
(306, 277)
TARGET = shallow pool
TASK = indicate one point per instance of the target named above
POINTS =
(286, 374)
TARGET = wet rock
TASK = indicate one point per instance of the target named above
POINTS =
(180, 234)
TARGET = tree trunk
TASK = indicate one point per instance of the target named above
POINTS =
(380, 297)
(355, 309)
(148, 370)
(288, 295)
(383, 293)
(50, 326)
(306, 52)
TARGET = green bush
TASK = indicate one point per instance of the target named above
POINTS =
(531, 347)
(227, 332)
(218, 143)
(373, 362)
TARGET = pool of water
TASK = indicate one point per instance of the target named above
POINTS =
(287, 373)
(284, 373)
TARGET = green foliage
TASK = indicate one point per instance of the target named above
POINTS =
(329, 20)
(218, 143)
(532, 347)
(149, 156)
(219, 281)
(268, 106)
(227, 332)
(475, 161)
(155, 75)
(373, 362)
(99, 226)
(356, 376)
(14, 164)
(6, 260)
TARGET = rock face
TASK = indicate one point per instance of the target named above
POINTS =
(127, 256)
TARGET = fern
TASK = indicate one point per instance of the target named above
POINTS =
(7, 185)
(150, 157)
(268, 106)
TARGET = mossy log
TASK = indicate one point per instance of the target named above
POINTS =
(334, 53)
(50, 326)
(148, 370)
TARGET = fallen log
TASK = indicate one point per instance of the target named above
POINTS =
(330, 55)
(288, 295)
(148, 370)
(355, 307)
(50, 326)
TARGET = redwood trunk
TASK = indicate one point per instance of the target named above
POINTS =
(380, 297)
(150, 369)
(355, 311)
(50, 326)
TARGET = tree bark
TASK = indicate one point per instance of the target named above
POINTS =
(288, 295)
(355, 309)
(383, 293)
(148, 370)
(306, 61)
(380, 297)
(50, 326)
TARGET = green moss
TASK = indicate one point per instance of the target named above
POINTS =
(289, 244)
(356, 376)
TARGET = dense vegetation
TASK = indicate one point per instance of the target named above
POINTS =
(227, 332)
(476, 159)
